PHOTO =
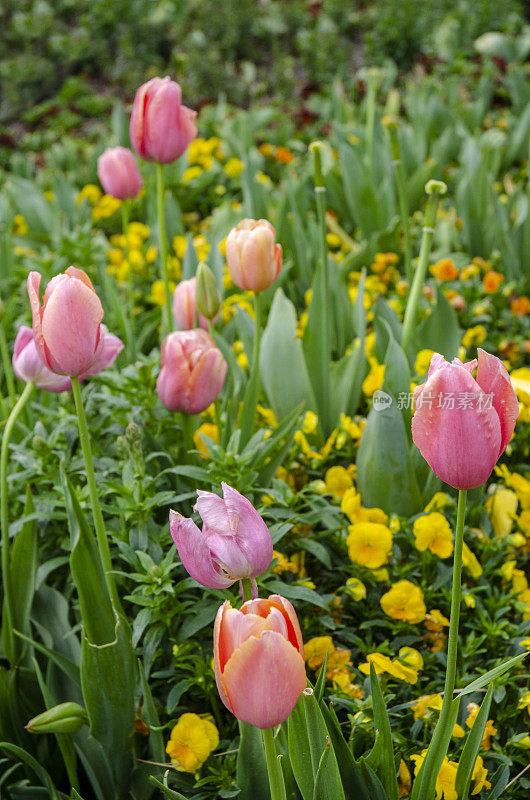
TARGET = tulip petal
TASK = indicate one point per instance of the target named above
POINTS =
(493, 378)
(213, 513)
(107, 351)
(195, 554)
(33, 284)
(206, 380)
(263, 680)
(294, 634)
(460, 444)
(254, 537)
(220, 650)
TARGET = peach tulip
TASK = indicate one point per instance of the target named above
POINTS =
(234, 544)
(253, 258)
(192, 371)
(259, 660)
(67, 327)
(462, 425)
(161, 127)
(118, 173)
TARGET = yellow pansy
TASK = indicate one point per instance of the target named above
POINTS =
(404, 600)
(207, 429)
(502, 507)
(315, 650)
(423, 360)
(411, 657)
(351, 506)
(374, 379)
(384, 664)
(518, 483)
(283, 564)
(337, 481)
(433, 532)
(90, 192)
(356, 589)
(234, 167)
(475, 336)
(309, 422)
(369, 544)
(524, 702)
(471, 562)
(404, 779)
(479, 776)
(445, 781)
(489, 730)
(192, 740)
(425, 704)
(440, 500)
(158, 294)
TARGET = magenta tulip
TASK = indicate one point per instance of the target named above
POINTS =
(184, 307)
(253, 258)
(462, 425)
(234, 544)
(29, 366)
(67, 327)
(119, 174)
(192, 371)
(161, 127)
(259, 660)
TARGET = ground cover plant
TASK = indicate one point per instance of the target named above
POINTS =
(227, 346)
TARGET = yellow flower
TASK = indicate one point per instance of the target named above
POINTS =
(404, 601)
(151, 254)
(524, 702)
(191, 173)
(209, 430)
(423, 360)
(356, 589)
(518, 483)
(192, 740)
(158, 295)
(342, 680)
(458, 731)
(90, 192)
(283, 564)
(234, 167)
(315, 650)
(474, 336)
(471, 562)
(351, 506)
(440, 500)
(411, 657)
(445, 782)
(489, 730)
(433, 532)
(444, 270)
(469, 600)
(337, 481)
(136, 260)
(479, 776)
(139, 229)
(383, 664)
(179, 246)
(404, 779)
(369, 544)
(427, 702)
(202, 247)
(310, 422)
(501, 508)
(519, 581)
(520, 379)
(374, 379)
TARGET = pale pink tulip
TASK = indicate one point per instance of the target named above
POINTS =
(184, 307)
(462, 425)
(234, 544)
(118, 173)
(161, 127)
(67, 327)
(253, 258)
(192, 371)
(109, 348)
(29, 366)
(259, 660)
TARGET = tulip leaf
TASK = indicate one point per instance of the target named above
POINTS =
(23, 571)
(491, 675)
(108, 666)
(499, 781)
(425, 788)
(293, 592)
(374, 785)
(150, 716)
(282, 364)
(385, 475)
(166, 791)
(385, 313)
(350, 773)
(321, 680)
(381, 758)
(347, 376)
(39, 770)
(397, 374)
(308, 738)
(251, 769)
(440, 331)
(468, 757)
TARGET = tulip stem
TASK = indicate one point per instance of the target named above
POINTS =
(392, 128)
(246, 589)
(186, 426)
(250, 400)
(7, 631)
(99, 524)
(273, 766)
(434, 189)
(163, 245)
(131, 344)
(435, 754)
(8, 367)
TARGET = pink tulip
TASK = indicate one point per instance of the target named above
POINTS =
(184, 306)
(28, 365)
(259, 660)
(109, 348)
(192, 371)
(161, 127)
(118, 173)
(254, 260)
(462, 425)
(234, 544)
(67, 327)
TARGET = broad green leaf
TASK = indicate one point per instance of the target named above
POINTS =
(308, 737)
(491, 675)
(23, 571)
(372, 782)
(381, 759)
(499, 781)
(28, 759)
(293, 592)
(321, 681)
(282, 365)
(382, 311)
(466, 762)
(350, 772)
(251, 770)
(346, 380)
(440, 331)
(397, 374)
(385, 475)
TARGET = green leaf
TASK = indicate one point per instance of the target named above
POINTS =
(397, 374)
(385, 313)
(350, 773)
(499, 782)
(150, 716)
(372, 782)
(346, 378)
(385, 475)
(308, 737)
(28, 759)
(469, 754)
(491, 675)
(381, 758)
(440, 331)
(321, 680)
(420, 789)
(293, 592)
(23, 571)
(251, 770)
(282, 365)
(166, 791)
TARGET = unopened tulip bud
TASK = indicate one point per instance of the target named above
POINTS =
(207, 294)
(185, 306)
(254, 259)
(64, 718)
(119, 174)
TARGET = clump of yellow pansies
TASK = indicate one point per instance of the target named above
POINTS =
(192, 740)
